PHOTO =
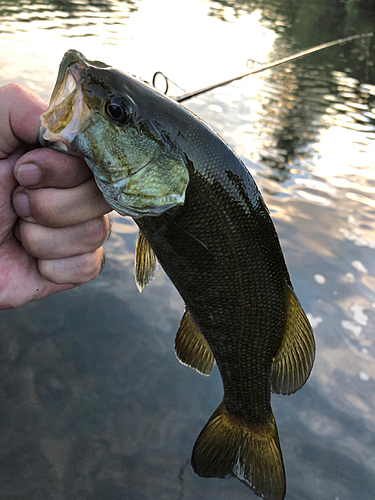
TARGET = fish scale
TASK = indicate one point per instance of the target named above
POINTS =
(201, 215)
(216, 291)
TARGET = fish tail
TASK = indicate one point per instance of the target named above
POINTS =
(228, 446)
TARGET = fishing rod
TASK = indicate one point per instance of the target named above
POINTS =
(189, 95)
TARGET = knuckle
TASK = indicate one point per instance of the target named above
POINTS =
(43, 207)
(98, 231)
(30, 238)
(79, 269)
(14, 89)
(97, 264)
(51, 270)
(87, 266)
(56, 207)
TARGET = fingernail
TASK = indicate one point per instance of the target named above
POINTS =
(21, 205)
(28, 175)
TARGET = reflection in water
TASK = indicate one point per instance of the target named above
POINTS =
(77, 19)
(296, 100)
(56, 11)
(94, 404)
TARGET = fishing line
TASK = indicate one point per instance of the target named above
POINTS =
(166, 82)
(251, 63)
(189, 95)
(174, 224)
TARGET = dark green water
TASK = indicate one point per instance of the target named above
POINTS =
(93, 402)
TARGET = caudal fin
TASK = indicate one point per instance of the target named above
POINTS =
(228, 447)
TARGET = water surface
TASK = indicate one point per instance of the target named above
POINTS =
(94, 404)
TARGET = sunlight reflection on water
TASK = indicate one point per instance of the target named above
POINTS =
(307, 133)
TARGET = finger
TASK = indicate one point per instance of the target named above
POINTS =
(7, 185)
(60, 207)
(59, 243)
(43, 167)
(20, 111)
(79, 269)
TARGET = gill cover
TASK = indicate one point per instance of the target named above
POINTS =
(156, 187)
(94, 113)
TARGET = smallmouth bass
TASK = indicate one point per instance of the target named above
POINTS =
(201, 215)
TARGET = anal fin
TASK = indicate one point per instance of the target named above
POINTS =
(145, 262)
(295, 358)
(192, 348)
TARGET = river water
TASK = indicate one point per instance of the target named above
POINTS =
(93, 402)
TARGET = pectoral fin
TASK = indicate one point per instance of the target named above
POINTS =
(145, 262)
(295, 358)
(192, 348)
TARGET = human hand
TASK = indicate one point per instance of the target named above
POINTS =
(52, 222)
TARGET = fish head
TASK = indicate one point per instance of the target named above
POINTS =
(111, 119)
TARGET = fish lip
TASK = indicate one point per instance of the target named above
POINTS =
(69, 65)
(67, 110)
(59, 143)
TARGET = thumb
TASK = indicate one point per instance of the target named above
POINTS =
(20, 111)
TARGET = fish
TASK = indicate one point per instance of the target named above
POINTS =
(202, 217)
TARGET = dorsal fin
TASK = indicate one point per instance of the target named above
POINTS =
(145, 262)
(192, 348)
(295, 358)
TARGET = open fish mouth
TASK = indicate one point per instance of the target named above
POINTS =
(67, 112)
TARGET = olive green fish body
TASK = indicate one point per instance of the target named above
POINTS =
(221, 251)
(200, 212)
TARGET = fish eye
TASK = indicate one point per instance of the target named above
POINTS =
(117, 111)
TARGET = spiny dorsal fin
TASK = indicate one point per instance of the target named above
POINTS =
(227, 446)
(145, 262)
(192, 348)
(295, 358)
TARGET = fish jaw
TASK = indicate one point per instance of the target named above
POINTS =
(67, 111)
